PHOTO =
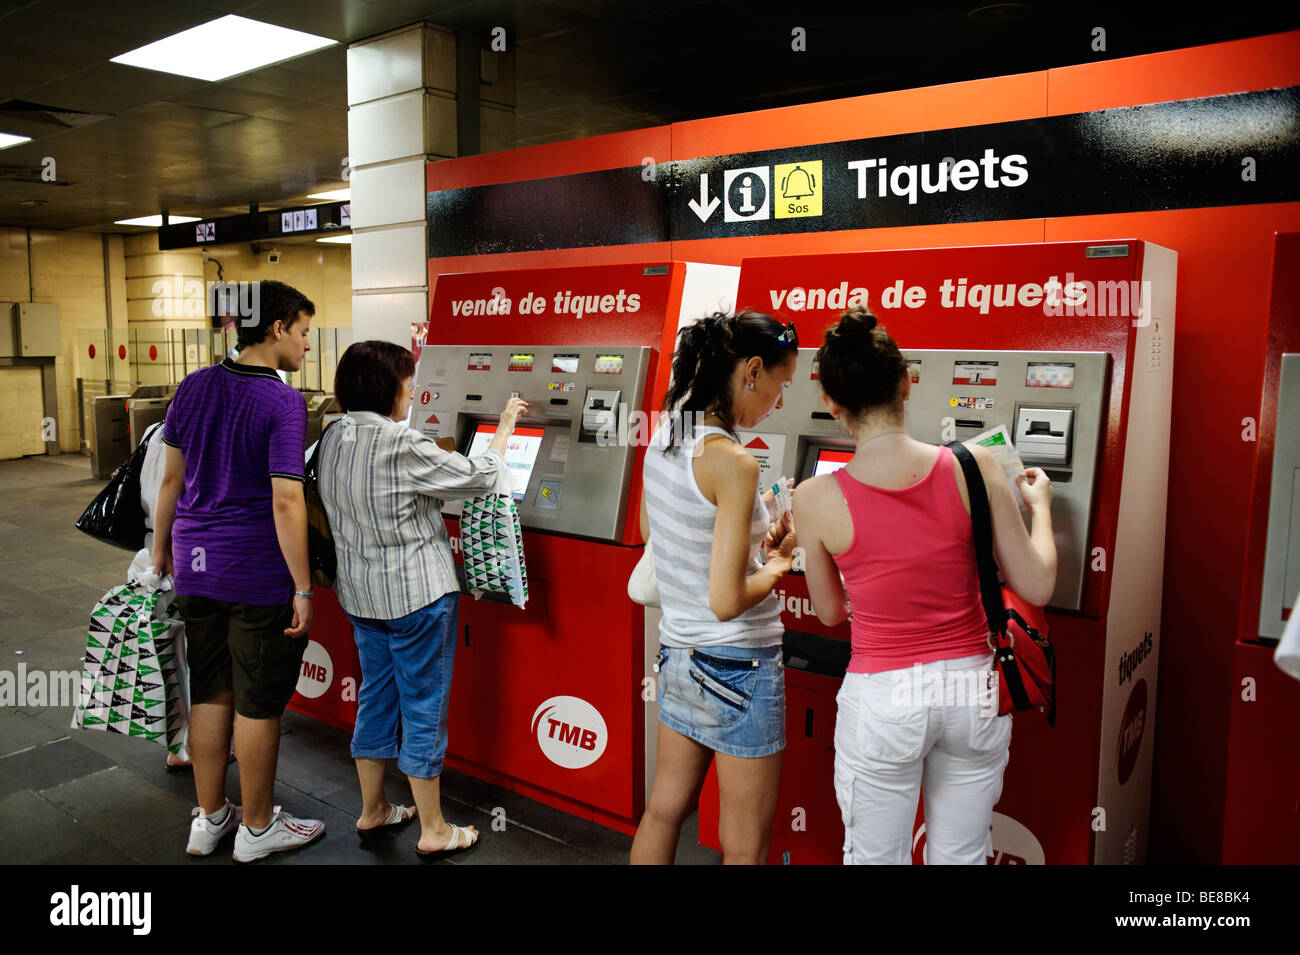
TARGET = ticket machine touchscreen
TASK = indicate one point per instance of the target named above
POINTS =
(829, 460)
(521, 453)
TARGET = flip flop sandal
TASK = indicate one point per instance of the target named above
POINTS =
(398, 816)
(433, 855)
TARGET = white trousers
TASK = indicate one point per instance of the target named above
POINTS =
(934, 726)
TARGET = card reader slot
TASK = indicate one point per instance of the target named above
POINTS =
(559, 401)
(473, 397)
(822, 415)
(970, 423)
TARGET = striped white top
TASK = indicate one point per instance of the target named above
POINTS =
(681, 539)
(383, 484)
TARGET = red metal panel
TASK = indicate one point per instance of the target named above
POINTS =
(1261, 824)
(332, 630)
(1283, 336)
(578, 636)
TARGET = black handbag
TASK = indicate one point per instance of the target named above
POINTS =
(321, 557)
(116, 516)
(1023, 654)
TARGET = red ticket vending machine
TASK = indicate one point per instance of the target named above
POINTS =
(1069, 346)
(549, 700)
(1262, 823)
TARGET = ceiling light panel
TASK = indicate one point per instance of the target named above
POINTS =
(155, 221)
(223, 48)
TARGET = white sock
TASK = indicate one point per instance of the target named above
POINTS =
(219, 817)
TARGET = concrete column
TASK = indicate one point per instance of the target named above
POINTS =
(403, 112)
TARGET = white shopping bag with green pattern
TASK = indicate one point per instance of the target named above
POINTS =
(134, 678)
(492, 544)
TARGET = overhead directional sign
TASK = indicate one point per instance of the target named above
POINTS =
(1107, 161)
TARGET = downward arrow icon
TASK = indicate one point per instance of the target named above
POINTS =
(704, 206)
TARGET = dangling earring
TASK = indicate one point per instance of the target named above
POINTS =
(749, 385)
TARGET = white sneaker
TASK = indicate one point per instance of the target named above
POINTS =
(285, 832)
(205, 834)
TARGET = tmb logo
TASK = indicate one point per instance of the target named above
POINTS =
(317, 671)
(570, 731)
(1130, 731)
(1013, 844)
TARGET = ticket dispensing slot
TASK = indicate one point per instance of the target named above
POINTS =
(1043, 435)
(599, 413)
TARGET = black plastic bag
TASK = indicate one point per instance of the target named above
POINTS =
(321, 556)
(116, 516)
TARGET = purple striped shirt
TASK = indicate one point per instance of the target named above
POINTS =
(237, 426)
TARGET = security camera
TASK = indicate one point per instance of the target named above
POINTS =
(273, 257)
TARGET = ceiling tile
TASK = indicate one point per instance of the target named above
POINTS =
(285, 81)
(111, 88)
(146, 20)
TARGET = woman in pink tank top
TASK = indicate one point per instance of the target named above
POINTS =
(887, 541)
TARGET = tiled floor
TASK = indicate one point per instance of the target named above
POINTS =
(73, 796)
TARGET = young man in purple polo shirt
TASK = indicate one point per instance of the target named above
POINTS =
(231, 511)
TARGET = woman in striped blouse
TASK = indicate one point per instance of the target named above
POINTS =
(383, 485)
(721, 683)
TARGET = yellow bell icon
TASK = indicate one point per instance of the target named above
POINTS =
(798, 183)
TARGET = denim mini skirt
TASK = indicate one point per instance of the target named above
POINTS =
(730, 699)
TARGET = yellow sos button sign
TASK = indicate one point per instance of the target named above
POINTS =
(797, 189)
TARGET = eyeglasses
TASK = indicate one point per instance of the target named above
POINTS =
(789, 336)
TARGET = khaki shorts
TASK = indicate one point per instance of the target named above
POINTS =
(241, 647)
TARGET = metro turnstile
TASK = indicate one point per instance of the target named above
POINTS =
(147, 404)
(110, 445)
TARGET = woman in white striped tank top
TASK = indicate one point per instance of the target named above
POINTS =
(721, 682)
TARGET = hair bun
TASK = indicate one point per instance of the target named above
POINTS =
(855, 327)
(859, 319)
